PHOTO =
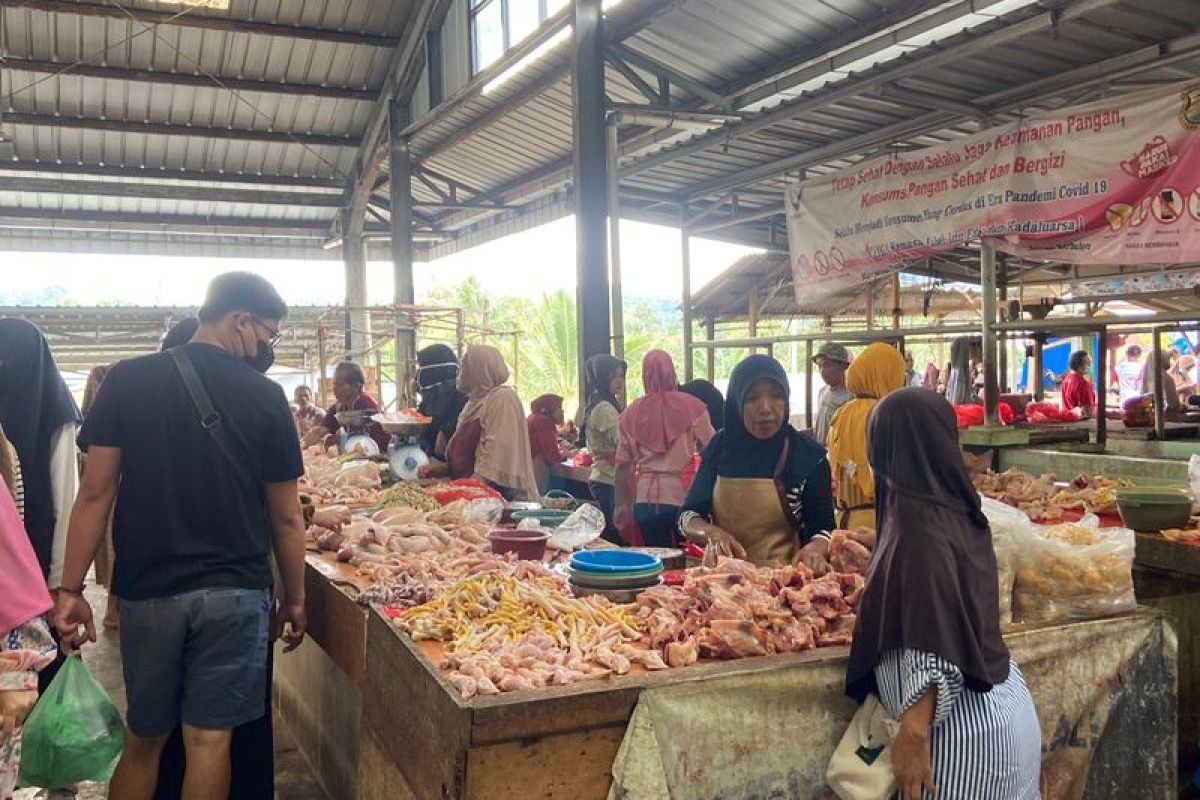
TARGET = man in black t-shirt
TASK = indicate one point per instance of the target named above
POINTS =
(193, 530)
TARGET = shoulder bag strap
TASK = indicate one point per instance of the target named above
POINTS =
(780, 489)
(210, 418)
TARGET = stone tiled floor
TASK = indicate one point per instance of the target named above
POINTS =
(293, 778)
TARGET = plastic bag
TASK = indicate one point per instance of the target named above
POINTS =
(1194, 476)
(1008, 525)
(485, 510)
(73, 734)
(583, 527)
(1074, 570)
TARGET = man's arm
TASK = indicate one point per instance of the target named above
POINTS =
(89, 518)
(287, 525)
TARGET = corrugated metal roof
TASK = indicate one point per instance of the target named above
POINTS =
(818, 86)
(267, 88)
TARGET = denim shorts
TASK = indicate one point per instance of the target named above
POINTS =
(199, 658)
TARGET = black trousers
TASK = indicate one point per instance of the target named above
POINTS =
(605, 496)
(657, 523)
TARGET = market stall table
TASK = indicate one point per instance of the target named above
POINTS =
(378, 719)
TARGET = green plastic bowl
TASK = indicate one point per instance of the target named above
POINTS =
(1154, 509)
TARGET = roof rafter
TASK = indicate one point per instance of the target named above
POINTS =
(187, 79)
(194, 19)
(168, 192)
(151, 173)
(172, 129)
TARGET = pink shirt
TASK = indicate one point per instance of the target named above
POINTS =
(660, 474)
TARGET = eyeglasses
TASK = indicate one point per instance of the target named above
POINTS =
(275, 336)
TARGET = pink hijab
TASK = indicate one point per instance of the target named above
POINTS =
(23, 592)
(665, 413)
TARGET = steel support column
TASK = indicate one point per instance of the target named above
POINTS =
(613, 150)
(1101, 374)
(591, 182)
(354, 255)
(685, 246)
(400, 197)
(987, 287)
(1037, 384)
(1160, 405)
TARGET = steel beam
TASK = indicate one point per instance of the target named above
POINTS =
(157, 222)
(166, 192)
(685, 247)
(197, 19)
(676, 78)
(400, 196)
(154, 173)
(170, 129)
(188, 79)
(636, 80)
(402, 75)
(591, 182)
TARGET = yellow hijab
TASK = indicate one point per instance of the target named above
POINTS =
(876, 372)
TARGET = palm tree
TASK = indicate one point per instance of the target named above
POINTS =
(549, 358)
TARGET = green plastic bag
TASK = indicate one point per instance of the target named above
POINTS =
(73, 734)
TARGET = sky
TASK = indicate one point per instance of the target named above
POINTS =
(530, 264)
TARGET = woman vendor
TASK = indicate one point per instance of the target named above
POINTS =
(546, 415)
(763, 490)
(491, 443)
(598, 422)
(441, 401)
(659, 434)
(927, 638)
(348, 383)
(877, 372)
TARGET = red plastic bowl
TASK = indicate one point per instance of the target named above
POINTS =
(528, 545)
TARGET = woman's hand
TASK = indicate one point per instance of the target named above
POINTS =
(434, 469)
(815, 555)
(14, 709)
(911, 763)
(332, 518)
(722, 542)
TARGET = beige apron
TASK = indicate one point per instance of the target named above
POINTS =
(752, 510)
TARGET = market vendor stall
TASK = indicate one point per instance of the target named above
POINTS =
(442, 666)
(419, 738)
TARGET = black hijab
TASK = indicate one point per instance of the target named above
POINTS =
(741, 453)
(598, 373)
(932, 582)
(34, 404)
(712, 398)
(441, 400)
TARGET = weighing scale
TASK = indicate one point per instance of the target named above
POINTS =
(405, 456)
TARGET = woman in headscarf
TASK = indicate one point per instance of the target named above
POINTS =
(441, 401)
(491, 443)
(658, 435)
(712, 398)
(877, 372)
(927, 638)
(26, 646)
(598, 423)
(40, 418)
(960, 380)
(546, 414)
(763, 490)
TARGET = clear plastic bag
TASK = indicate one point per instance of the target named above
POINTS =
(583, 527)
(1074, 571)
(73, 734)
(1007, 524)
(486, 510)
(1194, 476)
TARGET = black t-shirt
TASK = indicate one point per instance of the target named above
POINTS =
(184, 520)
